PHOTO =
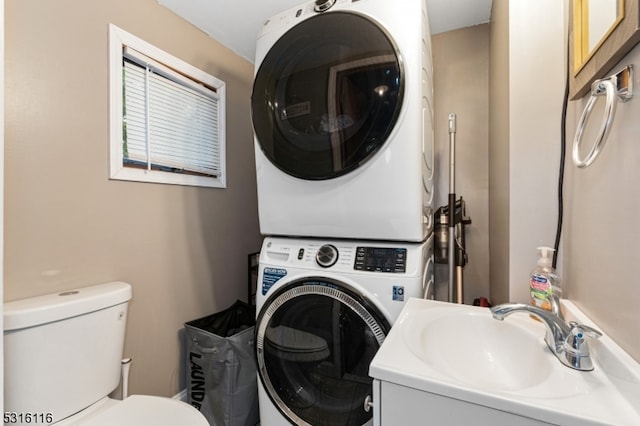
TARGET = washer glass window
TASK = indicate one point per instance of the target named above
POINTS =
(327, 95)
(315, 340)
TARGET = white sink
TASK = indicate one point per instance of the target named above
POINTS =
(475, 349)
(461, 352)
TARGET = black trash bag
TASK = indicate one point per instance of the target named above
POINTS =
(221, 367)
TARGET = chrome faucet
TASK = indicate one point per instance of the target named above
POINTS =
(566, 341)
(555, 306)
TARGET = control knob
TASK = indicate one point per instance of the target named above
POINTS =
(323, 5)
(327, 255)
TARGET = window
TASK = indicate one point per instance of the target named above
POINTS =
(167, 117)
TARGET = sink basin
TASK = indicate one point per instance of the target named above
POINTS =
(472, 347)
(461, 353)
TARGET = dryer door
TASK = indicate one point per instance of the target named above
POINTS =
(327, 95)
(315, 339)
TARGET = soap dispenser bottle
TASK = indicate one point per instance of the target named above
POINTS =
(544, 281)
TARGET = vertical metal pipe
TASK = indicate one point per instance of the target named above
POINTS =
(452, 156)
(460, 255)
(459, 286)
(452, 204)
(126, 365)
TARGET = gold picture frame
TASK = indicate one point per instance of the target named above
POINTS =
(621, 38)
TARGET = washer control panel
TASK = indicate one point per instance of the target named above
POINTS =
(381, 259)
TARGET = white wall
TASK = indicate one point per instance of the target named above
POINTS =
(1, 195)
(527, 58)
(536, 88)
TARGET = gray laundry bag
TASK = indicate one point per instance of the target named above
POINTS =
(221, 367)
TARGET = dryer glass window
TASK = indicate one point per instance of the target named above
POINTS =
(327, 95)
(315, 341)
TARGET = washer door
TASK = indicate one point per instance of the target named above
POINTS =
(327, 95)
(315, 339)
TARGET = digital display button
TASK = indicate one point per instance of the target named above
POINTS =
(381, 259)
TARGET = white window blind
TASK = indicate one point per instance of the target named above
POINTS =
(170, 121)
(167, 117)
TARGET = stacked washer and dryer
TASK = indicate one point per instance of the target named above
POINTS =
(342, 114)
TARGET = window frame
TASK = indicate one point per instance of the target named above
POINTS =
(119, 41)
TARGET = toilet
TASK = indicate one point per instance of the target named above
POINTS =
(63, 356)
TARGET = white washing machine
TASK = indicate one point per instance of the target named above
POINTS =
(324, 308)
(342, 114)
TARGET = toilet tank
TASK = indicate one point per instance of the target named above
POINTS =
(63, 351)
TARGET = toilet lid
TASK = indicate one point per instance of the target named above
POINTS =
(139, 410)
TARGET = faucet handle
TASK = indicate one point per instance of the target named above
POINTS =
(575, 342)
(589, 331)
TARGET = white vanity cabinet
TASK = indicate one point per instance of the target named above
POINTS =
(402, 405)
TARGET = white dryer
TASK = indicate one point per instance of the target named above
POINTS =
(343, 121)
(324, 308)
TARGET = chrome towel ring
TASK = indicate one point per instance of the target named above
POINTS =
(619, 85)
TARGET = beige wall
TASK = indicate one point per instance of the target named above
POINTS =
(499, 152)
(67, 225)
(598, 252)
(602, 228)
(461, 84)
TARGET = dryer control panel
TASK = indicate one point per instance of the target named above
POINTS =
(380, 259)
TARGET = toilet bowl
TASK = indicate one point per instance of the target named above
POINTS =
(63, 356)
